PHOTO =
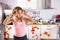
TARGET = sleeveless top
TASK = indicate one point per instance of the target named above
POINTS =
(20, 30)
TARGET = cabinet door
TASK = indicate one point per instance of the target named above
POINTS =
(49, 31)
(34, 32)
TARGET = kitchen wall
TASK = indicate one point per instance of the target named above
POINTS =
(38, 3)
(55, 4)
(11, 3)
(0, 0)
(46, 14)
(28, 5)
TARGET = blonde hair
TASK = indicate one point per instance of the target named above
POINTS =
(16, 9)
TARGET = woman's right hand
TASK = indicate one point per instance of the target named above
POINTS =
(8, 19)
(11, 15)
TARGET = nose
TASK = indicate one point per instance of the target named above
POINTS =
(19, 14)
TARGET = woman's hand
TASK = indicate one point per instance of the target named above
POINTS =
(8, 19)
(25, 13)
(29, 17)
(11, 15)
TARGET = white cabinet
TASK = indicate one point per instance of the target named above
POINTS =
(37, 32)
(49, 31)
(34, 32)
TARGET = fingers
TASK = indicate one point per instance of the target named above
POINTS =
(11, 15)
(24, 11)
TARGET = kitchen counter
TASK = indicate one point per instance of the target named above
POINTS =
(37, 31)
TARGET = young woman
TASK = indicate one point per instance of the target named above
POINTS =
(19, 22)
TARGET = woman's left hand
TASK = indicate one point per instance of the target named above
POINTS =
(29, 17)
(25, 13)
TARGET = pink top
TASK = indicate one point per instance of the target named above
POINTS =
(20, 30)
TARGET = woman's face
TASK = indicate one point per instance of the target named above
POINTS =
(19, 14)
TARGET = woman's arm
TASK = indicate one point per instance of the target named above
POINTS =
(25, 13)
(7, 20)
(29, 17)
